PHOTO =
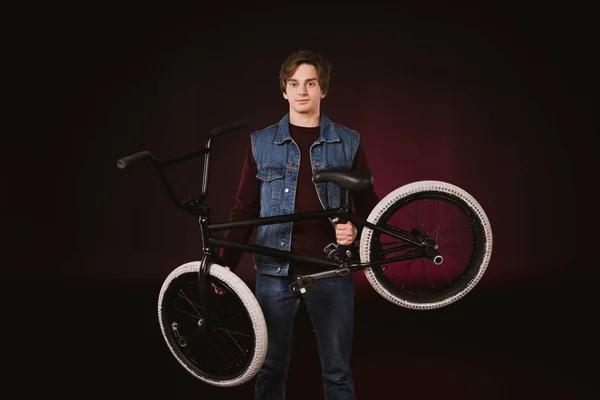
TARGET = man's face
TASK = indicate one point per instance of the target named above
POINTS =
(303, 91)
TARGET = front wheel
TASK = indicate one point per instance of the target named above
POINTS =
(225, 346)
(431, 211)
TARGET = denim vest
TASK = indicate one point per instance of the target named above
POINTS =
(277, 159)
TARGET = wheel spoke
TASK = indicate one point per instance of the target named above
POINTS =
(181, 310)
(196, 307)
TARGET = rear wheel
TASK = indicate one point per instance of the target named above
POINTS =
(430, 210)
(223, 348)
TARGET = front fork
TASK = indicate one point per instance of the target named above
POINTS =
(209, 257)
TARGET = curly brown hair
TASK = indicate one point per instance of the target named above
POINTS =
(297, 58)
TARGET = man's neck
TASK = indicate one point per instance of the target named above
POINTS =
(305, 120)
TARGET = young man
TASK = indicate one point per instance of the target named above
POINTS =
(277, 179)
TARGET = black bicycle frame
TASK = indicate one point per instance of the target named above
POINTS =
(303, 216)
(414, 246)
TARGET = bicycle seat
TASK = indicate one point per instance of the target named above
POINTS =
(345, 178)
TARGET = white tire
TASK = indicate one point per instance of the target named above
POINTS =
(252, 307)
(399, 194)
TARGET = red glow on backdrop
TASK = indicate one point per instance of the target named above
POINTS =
(451, 100)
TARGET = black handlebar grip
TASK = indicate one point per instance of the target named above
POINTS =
(122, 163)
(230, 127)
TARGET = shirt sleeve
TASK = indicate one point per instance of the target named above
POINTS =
(246, 206)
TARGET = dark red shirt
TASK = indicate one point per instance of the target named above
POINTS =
(308, 237)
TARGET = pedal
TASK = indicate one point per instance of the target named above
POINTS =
(302, 284)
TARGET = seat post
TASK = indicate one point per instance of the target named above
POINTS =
(345, 201)
(344, 206)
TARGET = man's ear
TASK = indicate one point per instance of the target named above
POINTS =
(284, 95)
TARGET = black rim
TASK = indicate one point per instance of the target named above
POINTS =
(457, 230)
(219, 346)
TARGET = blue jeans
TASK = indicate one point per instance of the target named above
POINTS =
(330, 306)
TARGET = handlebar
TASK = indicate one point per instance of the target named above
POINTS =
(234, 126)
(191, 205)
(122, 163)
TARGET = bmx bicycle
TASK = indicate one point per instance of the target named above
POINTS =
(424, 246)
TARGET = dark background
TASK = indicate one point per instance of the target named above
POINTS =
(495, 99)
